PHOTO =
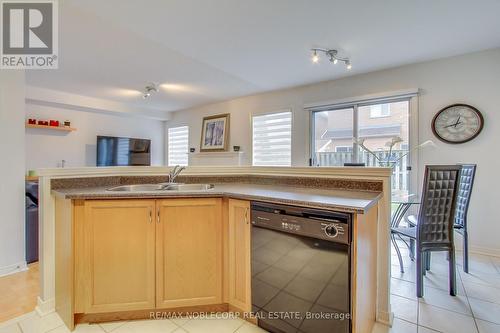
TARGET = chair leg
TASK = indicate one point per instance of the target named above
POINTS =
(403, 240)
(393, 239)
(428, 261)
(453, 277)
(466, 252)
(425, 255)
(412, 249)
(420, 274)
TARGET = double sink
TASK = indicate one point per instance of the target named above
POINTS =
(162, 187)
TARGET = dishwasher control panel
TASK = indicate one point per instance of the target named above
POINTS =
(327, 225)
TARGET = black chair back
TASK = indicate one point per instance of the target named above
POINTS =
(437, 213)
(467, 174)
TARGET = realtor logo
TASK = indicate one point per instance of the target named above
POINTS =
(29, 34)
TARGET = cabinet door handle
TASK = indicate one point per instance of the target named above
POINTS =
(150, 215)
(158, 216)
(246, 215)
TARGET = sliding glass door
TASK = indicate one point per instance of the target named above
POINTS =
(333, 132)
(336, 133)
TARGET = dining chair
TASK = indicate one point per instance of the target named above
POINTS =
(435, 222)
(467, 175)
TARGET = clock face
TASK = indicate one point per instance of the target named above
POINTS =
(457, 123)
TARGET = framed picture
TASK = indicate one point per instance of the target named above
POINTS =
(215, 133)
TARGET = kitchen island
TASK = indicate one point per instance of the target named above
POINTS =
(189, 251)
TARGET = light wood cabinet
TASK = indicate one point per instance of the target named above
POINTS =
(188, 252)
(120, 259)
(239, 255)
(119, 255)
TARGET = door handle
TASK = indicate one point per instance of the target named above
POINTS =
(158, 216)
(150, 215)
(246, 216)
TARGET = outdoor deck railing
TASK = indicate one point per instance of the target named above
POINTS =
(400, 175)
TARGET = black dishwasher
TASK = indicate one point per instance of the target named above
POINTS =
(300, 269)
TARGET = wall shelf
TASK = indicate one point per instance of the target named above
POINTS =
(62, 129)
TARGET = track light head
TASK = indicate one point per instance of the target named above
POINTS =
(315, 57)
(149, 89)
(348, 64)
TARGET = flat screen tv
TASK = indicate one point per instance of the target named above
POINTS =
(115, 151)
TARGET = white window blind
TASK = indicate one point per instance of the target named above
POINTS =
(178, 145)
(272, 139)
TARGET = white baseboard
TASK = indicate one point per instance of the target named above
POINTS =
(487, 251)
(11, 269)
(43, 308)
(484, 251)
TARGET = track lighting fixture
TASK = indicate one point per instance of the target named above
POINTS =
(149, 89)
(333, 57)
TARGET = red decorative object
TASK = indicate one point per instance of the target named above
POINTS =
(32, 121)
(43, 122)
(54, 123)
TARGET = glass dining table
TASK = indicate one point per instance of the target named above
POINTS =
(401, 203)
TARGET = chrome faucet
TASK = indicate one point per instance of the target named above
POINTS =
(174, 173)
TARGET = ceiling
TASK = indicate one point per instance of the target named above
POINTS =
(212, 50)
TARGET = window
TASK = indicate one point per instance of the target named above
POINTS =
(380, 110)
(333, 131)
(272, 139)
(336, 128)
(178, 145)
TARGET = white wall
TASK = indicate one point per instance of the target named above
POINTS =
(12, 195)
(46, 148)
(472, 79)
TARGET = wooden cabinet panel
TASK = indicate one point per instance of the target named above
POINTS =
(188, 252)
(119, 255)
(239, 255)
(64, 283)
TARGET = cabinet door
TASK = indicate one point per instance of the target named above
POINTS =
(239, 255)
(188, 252)
(120, 252)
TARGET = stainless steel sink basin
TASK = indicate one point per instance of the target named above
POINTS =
(161, 187)
(189, 187)
(138, 188)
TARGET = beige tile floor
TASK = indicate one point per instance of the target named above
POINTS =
(32, 323)
(476, 308)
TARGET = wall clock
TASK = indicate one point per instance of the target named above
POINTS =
(457, 123)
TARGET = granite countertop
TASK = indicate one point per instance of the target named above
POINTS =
(344, 200)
